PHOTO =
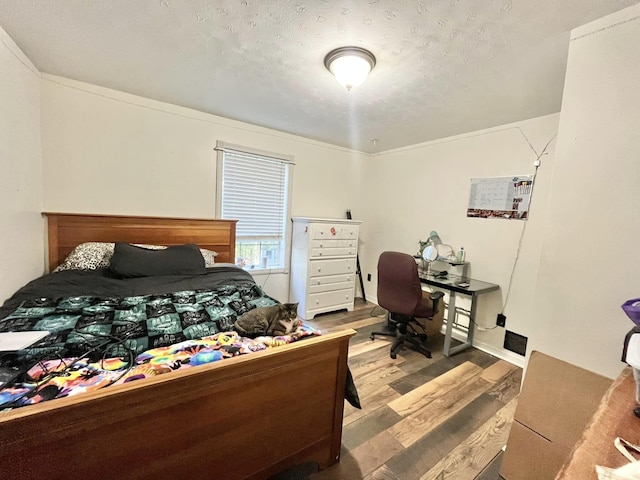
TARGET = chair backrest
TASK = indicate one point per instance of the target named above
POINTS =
(399, 289)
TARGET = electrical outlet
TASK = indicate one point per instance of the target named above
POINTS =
(501, 320)
(368, 277)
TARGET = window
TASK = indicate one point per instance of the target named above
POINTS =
(253, 187)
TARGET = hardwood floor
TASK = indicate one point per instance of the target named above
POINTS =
(438, 418)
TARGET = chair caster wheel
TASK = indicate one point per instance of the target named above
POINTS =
(371, 337)
(393, 355)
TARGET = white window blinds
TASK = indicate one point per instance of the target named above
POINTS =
(254, 191)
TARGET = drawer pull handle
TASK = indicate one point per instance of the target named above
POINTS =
(318, 282)
(319, 254)
(319, 269)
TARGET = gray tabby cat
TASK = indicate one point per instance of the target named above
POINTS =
(276, 320)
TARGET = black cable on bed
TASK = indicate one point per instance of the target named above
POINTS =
(113, 340)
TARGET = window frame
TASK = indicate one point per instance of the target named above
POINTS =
(222, 147)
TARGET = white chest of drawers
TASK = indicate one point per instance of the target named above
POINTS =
(323, 264)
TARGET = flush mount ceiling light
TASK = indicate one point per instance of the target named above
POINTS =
(350, 65)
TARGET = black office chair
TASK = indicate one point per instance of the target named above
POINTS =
(400, 293)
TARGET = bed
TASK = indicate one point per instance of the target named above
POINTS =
(249, 416)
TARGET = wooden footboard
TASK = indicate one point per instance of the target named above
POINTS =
(246, 417)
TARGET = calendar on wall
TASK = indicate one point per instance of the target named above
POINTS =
(500, 197)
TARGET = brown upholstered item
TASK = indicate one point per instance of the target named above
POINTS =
(400, 293)
(613, 418)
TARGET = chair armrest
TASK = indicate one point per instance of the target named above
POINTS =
(435, 301)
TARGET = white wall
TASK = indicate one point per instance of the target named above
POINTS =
(590, 262)
(426, 187)
(109, 152)
(21, 224)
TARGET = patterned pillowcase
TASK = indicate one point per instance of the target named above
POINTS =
(209, 257)
(94, 255)
(88, 256)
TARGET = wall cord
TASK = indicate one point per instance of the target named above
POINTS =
(526, 220)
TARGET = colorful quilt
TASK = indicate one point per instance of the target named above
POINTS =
(71, 376)
(95, 342)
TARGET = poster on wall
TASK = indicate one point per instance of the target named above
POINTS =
(500, 197)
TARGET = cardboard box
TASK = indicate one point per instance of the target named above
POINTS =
(556, 402)
(432, 327)
(536, 458)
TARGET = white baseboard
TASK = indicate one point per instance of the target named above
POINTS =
(501, 353)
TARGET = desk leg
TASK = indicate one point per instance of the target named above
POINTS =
(472, 319)
(451, 317)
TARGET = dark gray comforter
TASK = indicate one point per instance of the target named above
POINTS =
(102, 283)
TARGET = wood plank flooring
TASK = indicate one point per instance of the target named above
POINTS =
(422, 419)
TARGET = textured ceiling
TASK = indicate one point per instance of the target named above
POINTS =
(444, 67)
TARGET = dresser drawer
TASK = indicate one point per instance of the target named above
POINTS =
(331, 243)
(321, 231)
(320, 268)
(333, 252)
(331, 282)
(328, 299)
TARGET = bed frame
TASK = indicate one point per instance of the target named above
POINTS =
(247, 417)
(65, 231)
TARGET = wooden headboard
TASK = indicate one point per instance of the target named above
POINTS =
(67, 230)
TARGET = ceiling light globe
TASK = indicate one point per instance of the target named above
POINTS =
(350, 71)
(350, 65)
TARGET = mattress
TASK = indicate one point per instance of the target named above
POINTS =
(105, 330)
